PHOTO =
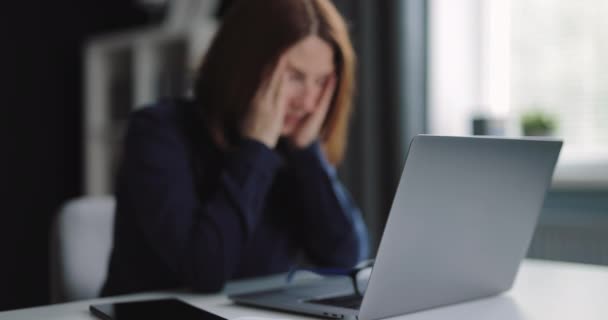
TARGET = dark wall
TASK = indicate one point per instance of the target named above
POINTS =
(41, 81)
(573, 226)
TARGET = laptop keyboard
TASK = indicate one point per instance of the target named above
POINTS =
(352, 301)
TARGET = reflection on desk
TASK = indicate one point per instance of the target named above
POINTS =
(542, 290)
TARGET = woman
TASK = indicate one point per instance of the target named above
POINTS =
(241, 180)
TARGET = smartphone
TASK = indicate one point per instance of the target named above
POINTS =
(151, 309)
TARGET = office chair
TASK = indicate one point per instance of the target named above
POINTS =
(81, 241)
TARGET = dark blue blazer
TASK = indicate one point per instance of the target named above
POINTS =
(191, 215)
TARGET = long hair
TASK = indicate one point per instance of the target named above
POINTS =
(245, 50)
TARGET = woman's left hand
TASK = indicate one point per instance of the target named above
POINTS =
(308, 130)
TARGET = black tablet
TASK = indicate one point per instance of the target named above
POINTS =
(151, 310)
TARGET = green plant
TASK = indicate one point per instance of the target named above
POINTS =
(538, 123)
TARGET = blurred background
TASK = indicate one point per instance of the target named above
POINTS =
(73, 70)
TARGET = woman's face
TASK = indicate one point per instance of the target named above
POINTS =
(309, 65)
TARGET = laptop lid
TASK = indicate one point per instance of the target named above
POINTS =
(461, 221)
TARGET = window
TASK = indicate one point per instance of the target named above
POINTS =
(504, 59)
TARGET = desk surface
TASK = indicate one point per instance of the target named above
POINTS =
(543, 290)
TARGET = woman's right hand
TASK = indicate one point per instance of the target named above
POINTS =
(264, 120)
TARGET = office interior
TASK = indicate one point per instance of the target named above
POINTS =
(73, 70)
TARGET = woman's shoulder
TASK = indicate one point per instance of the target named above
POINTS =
(164, 121)
(172, 123)
(166, 113)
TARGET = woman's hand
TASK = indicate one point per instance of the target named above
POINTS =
(265, 119)
(308, 130)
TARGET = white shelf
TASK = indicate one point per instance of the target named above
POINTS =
(127, 70)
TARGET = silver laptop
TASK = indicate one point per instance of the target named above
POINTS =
(460, 224)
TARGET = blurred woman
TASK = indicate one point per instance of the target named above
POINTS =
(240, 181)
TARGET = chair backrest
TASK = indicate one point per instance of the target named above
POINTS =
(81, 241)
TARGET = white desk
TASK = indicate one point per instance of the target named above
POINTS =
(543, 290)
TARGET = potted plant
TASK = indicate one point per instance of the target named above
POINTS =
(538, 123)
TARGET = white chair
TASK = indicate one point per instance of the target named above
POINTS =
(81, 240)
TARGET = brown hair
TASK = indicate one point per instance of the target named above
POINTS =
(252, 37)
